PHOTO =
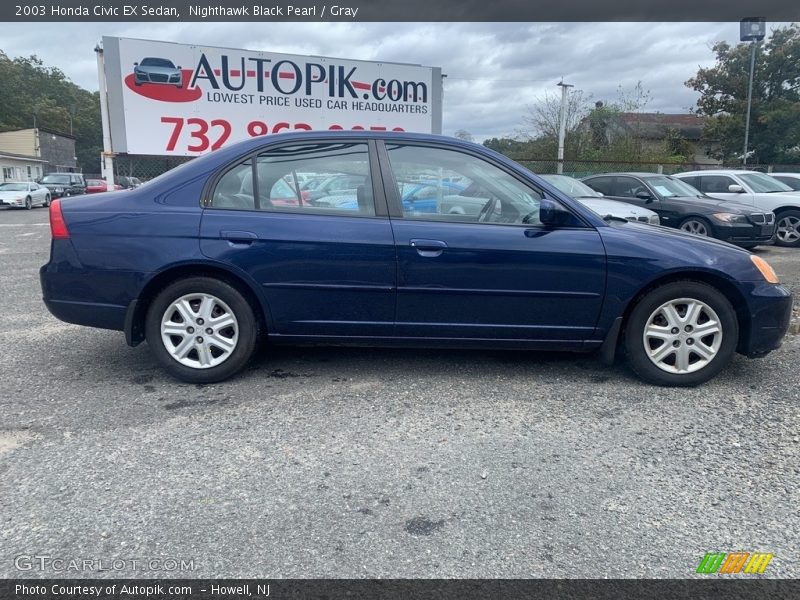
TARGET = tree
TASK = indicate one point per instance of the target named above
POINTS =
(28, 86)
(542, 120)
(775, 115)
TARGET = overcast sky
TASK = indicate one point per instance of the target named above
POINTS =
(495, 70)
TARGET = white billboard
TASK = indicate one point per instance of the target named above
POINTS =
(184, 100)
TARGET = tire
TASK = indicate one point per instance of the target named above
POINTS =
(28, 203)
(665, 369)
(47, 200)
(696, 225)
(789, 221)
(200, 295)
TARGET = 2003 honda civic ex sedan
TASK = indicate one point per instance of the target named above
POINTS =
(202, 264)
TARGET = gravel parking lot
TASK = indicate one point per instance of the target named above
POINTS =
(332, 462)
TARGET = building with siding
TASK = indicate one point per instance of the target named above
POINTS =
(55, 150)
(19, 167)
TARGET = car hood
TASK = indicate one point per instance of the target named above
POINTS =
(12, 194)
(50, 186)
(670, 235)
(715, 204)
(605, 206)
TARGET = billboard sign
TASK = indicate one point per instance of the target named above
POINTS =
(183, 100)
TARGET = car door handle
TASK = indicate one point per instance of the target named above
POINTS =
(428, 248)
(238, 237)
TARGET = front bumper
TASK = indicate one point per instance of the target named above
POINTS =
(745, 233)
(20, 202)
(770, 310)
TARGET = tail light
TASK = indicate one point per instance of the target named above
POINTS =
(58, 227)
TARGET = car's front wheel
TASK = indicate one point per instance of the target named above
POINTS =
(201, 330)
(681, 334)
(47, 200)
(28, 203)
(696, 226)
(788, 228)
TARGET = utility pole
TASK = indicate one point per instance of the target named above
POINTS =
(562, 124)
(753, 30)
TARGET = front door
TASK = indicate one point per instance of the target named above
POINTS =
(475, 262)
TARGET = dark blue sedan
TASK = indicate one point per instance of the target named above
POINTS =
(207, 259)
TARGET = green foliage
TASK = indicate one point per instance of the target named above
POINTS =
(28, 87)
(775, 115)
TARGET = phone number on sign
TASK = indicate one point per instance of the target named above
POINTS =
(213, 134)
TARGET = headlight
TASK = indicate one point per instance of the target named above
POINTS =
(763, 266)
(654, 220)
(730, 218)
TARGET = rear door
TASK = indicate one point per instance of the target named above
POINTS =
(476, 263)
(324, 271)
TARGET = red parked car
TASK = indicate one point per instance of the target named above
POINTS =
(95, 186)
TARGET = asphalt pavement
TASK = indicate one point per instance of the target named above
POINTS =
(331, 462)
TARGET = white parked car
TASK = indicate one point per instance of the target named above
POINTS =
(790, 179)
(755, 189)
(24, 194)
(600, 204)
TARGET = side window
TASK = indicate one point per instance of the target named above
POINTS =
(234, 190)
(604, 185)
(281, 171)
(693, 181)
(628, 187)
(436, 184)
(715, 184)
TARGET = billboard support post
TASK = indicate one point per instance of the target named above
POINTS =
(107, 156)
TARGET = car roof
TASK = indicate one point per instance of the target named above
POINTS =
(719, 172)
(629, 174)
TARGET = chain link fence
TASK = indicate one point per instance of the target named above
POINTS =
(584, 168)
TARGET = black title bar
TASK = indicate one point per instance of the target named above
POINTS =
(396, 10)
(712, 588)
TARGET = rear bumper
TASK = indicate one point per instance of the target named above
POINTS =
(770, 308)
(90, 314)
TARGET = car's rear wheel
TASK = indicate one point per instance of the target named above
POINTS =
(696, 226)
(788, 228)
(201, 330)
(681, 334)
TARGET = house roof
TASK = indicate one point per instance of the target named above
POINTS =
(21, 157)
(654, 126)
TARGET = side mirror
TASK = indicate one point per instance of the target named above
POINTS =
(735, 189)
(642, 195)
(135, 64)
(178, 67)
(553, 214)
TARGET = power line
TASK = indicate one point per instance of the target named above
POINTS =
(523, 81)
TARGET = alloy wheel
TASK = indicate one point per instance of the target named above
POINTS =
(695, 227)
(788, 230)
(199, 331)
(682, 336)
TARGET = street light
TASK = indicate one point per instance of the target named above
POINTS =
(751, 29)
(562, 125)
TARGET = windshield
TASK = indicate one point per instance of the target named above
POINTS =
(14, 187)
(56, 179)
(764, 184)
(571, 187)
(672, 188)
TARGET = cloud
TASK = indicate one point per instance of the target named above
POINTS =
(494, 70)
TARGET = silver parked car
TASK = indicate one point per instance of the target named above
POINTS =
(24, 194)
(598, 203)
